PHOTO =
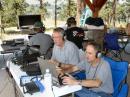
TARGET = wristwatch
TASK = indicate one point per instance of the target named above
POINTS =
(59, 64)
(80, 82)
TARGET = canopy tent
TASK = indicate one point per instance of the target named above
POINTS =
(95, 6)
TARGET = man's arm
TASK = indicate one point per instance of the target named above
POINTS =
(86, 83)
(90, 83)
(67, 68)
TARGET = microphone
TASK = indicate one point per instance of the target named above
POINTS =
(34, 49)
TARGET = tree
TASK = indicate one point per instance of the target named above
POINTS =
(43, 8)
(65, 10)
(78, 11)
(127, 10)
(19, 8)
(114, 11)
(106, 12)
(12, 8)
(121, 14)
(1, 12)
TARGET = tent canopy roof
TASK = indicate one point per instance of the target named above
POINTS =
(96, 5)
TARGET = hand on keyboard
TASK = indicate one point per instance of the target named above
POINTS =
(61, 77)
(69, 80)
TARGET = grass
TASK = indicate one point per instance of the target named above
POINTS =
(13, 32)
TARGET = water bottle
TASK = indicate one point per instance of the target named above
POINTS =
(48, 84)
(48, 79)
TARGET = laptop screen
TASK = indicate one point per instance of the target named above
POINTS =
(44, 64)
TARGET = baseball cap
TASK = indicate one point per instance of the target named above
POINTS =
(38, 24)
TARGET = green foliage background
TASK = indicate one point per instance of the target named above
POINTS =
(122, 12)
(10, 9)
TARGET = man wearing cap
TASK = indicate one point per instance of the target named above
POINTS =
(40, 38)
(73, 33)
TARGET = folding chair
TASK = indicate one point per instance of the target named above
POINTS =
(111, 45)
(119, 74)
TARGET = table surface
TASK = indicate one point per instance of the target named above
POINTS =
(17, 73)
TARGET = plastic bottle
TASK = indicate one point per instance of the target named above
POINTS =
(48, 79)
(48, 84)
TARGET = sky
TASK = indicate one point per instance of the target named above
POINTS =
(32, 2)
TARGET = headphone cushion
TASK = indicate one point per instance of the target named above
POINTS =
(98, 54)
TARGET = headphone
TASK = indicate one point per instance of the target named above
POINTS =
(97, 48)
(43, 28)
(61, 31)
(98, 54)
(63, 35)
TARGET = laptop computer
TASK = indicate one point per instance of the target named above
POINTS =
(44, 64)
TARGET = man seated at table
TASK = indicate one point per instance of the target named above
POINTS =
(98, 82)
(40, 38)
(65, 53)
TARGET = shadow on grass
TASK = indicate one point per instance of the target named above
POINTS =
(24, 31)
(16, 32)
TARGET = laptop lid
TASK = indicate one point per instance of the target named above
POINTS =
(44, 64)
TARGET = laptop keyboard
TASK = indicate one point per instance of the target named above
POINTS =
(56, 83)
